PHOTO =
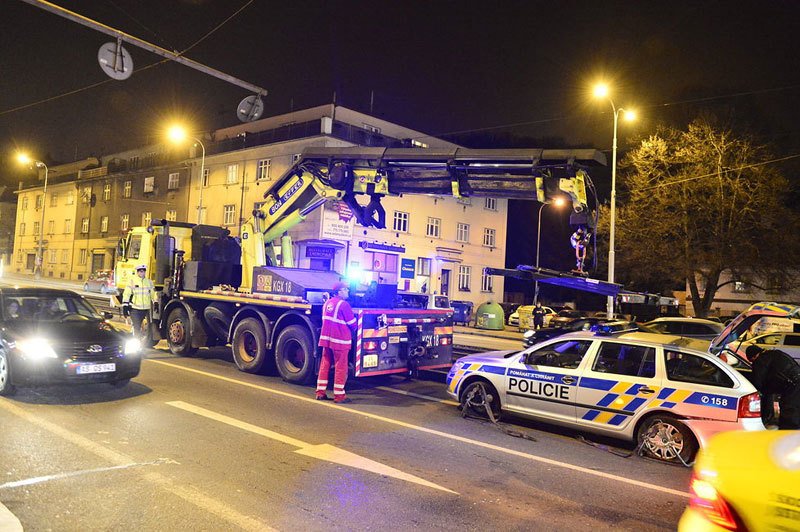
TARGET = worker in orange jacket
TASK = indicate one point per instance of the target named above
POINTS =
(335, 340)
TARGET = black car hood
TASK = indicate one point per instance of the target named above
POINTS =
(66, 331)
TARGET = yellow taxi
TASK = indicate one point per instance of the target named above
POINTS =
(746, 481)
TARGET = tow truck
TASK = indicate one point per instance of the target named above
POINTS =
(214, 289)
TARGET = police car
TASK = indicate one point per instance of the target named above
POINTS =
(659, 390)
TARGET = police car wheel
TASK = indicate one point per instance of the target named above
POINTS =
(476, 395)
(665, 438)
(6, 388)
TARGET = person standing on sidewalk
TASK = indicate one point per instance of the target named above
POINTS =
(335, 340)
(137, 300)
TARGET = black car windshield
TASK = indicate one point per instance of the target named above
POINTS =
(48, 308)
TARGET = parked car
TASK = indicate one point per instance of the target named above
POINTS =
(100, 281)
(564, 317)
(688, 327)
(654, 389)
(524, 319)
(532, 337)
(756, 493)
(50, 336)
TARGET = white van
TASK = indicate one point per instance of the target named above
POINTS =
(788, 342)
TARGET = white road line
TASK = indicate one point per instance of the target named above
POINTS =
(69, 474)
(187, 493)
(324, 451)
(418, 395)
(8, 521)
(476, 443)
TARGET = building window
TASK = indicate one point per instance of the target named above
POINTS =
(229, 215)
(22, 229)
(146, 217)
(123, 222)
(51, 227)
(126, 191)
(464, 278)
(487, 283)
(67, 226)
(39, 201)
(488, 237)
(174, 181)
(104, 224)
(434, 227)
(107, 192)
(53, 256)
(490, 204)
(171, 215)
(64, 256)
(86, 195)
(85, 225)
(206, 173)
(462, 233)
(424, 266)
(35, 228)
(232, 175)
(24, 203)
(149, 183)
(400, 223)
(70, 198)
(133, 162)
(54, 199)
(262, 171)
(82, 257)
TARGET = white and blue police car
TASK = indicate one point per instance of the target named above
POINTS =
(659, 390)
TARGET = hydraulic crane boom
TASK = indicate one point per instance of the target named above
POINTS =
(323, 174)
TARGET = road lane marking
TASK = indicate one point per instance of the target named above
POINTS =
(461, 439)
(69, 474)
(326, 452)
(417, 395)
(8, 521)
(187, 493)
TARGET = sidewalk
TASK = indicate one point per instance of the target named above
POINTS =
(49, 282)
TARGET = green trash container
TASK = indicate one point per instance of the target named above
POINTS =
(490, 316)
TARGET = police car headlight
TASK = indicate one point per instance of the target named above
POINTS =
(133, 346)
(36, 348)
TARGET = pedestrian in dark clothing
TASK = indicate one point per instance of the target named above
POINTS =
(777, 373)
(538, 316)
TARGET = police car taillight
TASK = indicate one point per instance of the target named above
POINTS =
(709, 503)
(371, 345)
(750, 405)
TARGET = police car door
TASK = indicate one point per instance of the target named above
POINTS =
(543, 381)
(618, 382)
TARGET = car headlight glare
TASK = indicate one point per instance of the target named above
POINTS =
(36, 348)
(133, 346)
(528, 334)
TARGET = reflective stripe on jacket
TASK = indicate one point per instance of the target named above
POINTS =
(337, 321)
(139, 293)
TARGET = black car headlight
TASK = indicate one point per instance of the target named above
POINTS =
(36, 348)
(133, 346)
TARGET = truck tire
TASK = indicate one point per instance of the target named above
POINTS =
(249, 345)
(178, 333)
(294, 355)
(218, 321)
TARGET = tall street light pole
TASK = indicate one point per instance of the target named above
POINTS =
(24, 159)
(557, 202)
(177, 134)
(601, 91)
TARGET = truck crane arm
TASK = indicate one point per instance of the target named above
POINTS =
(361, 176)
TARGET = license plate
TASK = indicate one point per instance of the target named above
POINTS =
(96, 368)
(370, 361)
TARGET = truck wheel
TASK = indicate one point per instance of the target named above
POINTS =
(249, 345)
(178, 338)
(294, 355)
(6, 388)
(665, 438)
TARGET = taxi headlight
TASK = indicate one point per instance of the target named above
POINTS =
(133, 346)
(36, 348)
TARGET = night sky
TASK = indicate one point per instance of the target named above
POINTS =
(493, 73)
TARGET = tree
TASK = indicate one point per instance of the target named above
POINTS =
(698, 202)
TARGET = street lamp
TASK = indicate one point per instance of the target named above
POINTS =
(25, 159)
(177, 135)
(558, 202)
(601, 91)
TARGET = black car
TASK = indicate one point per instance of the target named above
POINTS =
(577, 324)
(50, 336)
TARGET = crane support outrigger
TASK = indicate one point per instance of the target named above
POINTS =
(214, 289)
